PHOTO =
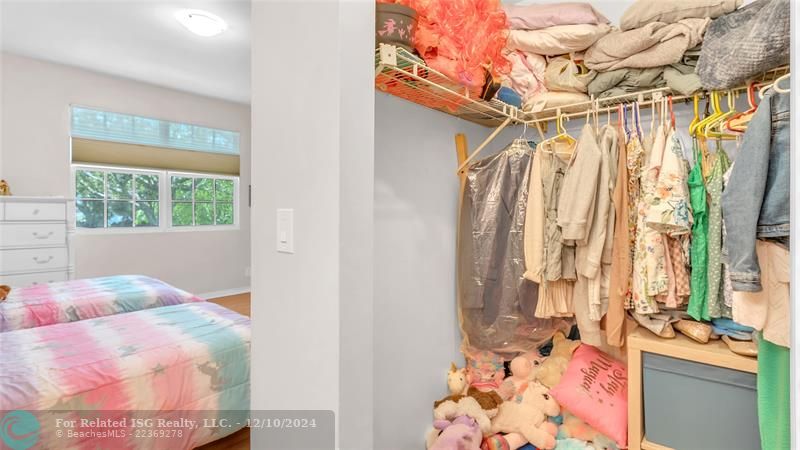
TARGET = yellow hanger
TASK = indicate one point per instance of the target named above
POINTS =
(700, 126)
(696, 118)
(715, 129)
(561, 136)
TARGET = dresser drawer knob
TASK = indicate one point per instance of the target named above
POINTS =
(42, 236)
(36, 211)
(42, 261)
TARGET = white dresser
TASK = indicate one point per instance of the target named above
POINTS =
(35, 236)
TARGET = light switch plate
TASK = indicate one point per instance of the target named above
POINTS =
(285, 237)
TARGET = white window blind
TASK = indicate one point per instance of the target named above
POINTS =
(100, 125)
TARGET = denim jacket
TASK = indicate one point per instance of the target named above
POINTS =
(755, 203)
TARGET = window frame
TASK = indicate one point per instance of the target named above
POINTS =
(193, 176)
(164, 200)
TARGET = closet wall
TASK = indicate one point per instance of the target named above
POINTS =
(416, 199)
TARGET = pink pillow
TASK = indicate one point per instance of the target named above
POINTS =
(536, 17)
(595, 389)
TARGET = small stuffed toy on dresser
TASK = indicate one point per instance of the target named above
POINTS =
(5, 190)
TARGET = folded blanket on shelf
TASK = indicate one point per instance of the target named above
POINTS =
(527, 73)
(536, 17)
(680, 78)
(643, 12)
(555, 99)
(557, 40)
(654, 45)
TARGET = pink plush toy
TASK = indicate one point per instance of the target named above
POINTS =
(462, 433)
(485, 370)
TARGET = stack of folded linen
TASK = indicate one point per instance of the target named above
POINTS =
(540, 31)
(657, 45)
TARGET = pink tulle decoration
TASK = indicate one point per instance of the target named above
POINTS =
(461, 38)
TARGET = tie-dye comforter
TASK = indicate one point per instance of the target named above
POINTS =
(193, 356)
(74, 300)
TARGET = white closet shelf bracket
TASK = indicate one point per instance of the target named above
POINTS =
(483, 145)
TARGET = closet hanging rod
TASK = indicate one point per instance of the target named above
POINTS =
(641, 96)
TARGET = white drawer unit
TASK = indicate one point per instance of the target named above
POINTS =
(33, 279)
(55, 212)
(35, 237)
(32, 234)
(33, 259)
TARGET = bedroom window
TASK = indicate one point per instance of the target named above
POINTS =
(202, 200)
(110, 198)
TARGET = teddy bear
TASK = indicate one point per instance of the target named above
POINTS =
(4, 291)
(527, 415)
(4, 188)
(461, 433)
(451, 407)
(552, 369)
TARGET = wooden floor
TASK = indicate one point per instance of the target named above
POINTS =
(241, 439)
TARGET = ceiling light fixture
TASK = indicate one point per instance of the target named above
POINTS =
(201, 23)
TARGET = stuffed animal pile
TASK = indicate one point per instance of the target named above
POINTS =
(488, 411)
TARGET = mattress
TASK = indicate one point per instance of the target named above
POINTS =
(74, 300)
(155, 362)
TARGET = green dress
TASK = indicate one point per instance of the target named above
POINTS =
(699, 249)
(715, 296)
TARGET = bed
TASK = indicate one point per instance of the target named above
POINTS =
(189, 361)
(74, 300)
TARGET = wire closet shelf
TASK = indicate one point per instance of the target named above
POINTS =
(402, 74)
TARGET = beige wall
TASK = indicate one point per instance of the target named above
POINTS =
(35, 160)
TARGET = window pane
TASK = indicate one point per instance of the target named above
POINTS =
(203, 189)
(120, 186)
(181, 188)
(89, 184)
(146, 187)
(181, 214)
(224, 213)
(120, 214)
(204, 213)
(224, 190)
(146, 214)
(89, 213)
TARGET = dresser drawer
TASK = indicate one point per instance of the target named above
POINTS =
(32, 279)
(36, 211)
(32, 235)
(33, 259)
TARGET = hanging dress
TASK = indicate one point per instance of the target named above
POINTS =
(699, 247)
(715, 298)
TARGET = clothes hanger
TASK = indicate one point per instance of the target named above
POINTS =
(776, 84)
(715, 129)
(696, 118)
(671, 113)
(713, 102)
(561, 136)
(738, 123)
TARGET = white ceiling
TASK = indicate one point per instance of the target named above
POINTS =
(139, 40)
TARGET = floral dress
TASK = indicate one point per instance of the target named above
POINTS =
(635, 155)
(650, 277)
(669, 213)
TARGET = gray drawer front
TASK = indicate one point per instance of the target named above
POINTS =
(692, 406)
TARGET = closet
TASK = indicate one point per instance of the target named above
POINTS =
(612, 219)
